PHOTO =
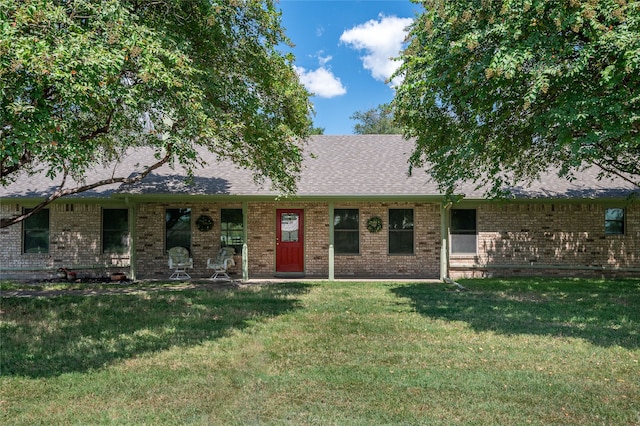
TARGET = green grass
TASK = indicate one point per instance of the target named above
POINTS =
(8, 285)
(521, 351)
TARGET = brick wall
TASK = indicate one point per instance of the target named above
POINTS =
(518, 238)
(75, 242)
(262, 237)
(152, 260)
(373, 261)
(558, 239)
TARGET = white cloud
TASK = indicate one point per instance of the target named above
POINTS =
(382, 40)
(321, 82)
(324, 59)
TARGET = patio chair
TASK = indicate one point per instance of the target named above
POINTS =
(179, 262)
(221, 263)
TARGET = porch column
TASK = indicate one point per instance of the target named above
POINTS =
(331, 248)
(245, 247)
(444, 236)
(133, 252)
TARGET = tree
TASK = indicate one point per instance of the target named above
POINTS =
(317, 131)
(376, 121)
(497, 92)
(83, 80)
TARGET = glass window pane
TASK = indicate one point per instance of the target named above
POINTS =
(232, 229)
(463, 231)
(400, 231)
(463, 243)
(614, 214)
(35, 236)
(39, 220)
(345, 219)
(612, 227)
(289, 228)
(115, 230)
(401, 242)
(231, 216)
(614, 221)
(463, 221)
(401, 219)
(178, 228)
(346, 236)
(346, 242)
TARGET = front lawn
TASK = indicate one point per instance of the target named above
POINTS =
(520, 351)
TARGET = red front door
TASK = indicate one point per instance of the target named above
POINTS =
(290, 240)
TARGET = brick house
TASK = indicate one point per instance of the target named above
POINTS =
(357, 213)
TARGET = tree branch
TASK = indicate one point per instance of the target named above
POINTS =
(6, 171)
(100, 130)
(61, 192)
(613, 171)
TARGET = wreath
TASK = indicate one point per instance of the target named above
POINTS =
(374, 224)
(204, 223)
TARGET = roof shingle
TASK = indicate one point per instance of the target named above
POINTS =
(334, 166)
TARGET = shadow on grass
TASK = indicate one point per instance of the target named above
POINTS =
(44, 337)
(606, 313)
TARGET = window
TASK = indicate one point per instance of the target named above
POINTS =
(115, 231)
(35, 232)
(346, 236)
(290, 227)
(400, 231)
(232, 229)
(463, 231)
(178, 228)
(614, 221)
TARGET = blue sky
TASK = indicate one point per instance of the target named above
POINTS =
(343, 50)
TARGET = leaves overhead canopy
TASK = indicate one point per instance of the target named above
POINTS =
(82, 80)
(500, 91)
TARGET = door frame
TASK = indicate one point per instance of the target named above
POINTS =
(294, 268)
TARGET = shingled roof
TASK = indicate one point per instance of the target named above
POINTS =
(352, 166)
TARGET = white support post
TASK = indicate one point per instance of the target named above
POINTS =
(444, 236)
(245, 262)
(245, 247)
(133, 257)
(331, 242)
(331, 263)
